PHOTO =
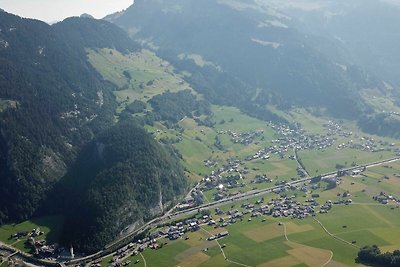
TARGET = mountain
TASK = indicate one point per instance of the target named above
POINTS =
(256, 53)
(85, 15)
(366, 28)
(122, 178)
(54, 107)
(48, 93)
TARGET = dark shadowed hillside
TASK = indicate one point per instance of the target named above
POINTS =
(122, 177)
(52, 105)
(53, 102)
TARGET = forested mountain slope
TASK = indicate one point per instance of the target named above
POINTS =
(271, 59)
(53, 104)
(123, 177)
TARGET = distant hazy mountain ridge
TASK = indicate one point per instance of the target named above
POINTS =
(270, 53)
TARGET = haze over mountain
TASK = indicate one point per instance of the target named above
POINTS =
(51, 11)
(280, 53)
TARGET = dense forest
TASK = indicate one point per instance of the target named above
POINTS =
(121, 177)
(384, 124)
(175, 106)
(224, 89)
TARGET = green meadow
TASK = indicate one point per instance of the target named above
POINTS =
(51, 226)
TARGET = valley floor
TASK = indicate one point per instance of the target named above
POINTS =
(238, 154)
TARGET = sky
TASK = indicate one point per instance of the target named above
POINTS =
(56, 10)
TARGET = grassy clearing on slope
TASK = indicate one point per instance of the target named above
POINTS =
(140, 75)
(50, 225)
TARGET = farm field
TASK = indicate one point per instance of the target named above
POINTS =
(262, 241)
(258, 243)
(323, 161)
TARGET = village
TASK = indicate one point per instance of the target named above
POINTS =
(281, 207)
(235, 177)
(288, 141)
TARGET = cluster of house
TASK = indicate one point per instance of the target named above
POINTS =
(177, 230)
(385, 198)
(287, 207)
(280, 207)
(368, 144)
(210, 163)
(234, 171)
(231, 174)
(120, 256)
(39, 246)
(42, 250)
(245, 138)
(299, 139)
(34, 233)
(334, 128)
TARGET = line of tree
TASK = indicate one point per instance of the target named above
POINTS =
(372, 255)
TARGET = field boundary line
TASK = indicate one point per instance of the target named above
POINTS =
(223, 252)
(326, 263)
(237, 263)
(334, 236)
(220, 247)
(284, 231)
(287, 239)
(144, 260)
